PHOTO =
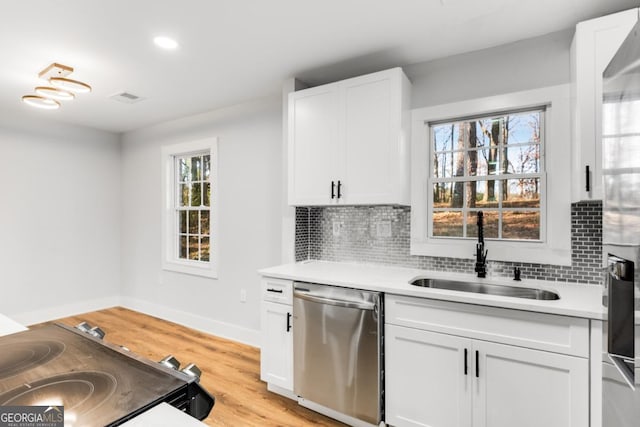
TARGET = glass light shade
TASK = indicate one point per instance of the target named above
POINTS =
(165, 42)
(54, 93)
(41, 102)
(69, 85)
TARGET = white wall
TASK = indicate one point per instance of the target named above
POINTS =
(249, 212)
(526, 64)
(59, 219)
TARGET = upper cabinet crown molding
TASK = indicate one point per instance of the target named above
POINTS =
(594, 44)
(349, 142)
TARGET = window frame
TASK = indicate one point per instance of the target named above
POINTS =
(555, 225)
(170, 217)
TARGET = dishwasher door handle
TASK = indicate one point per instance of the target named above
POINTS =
(337, 302)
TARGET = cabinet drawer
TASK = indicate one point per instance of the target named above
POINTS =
(559, 334)
(277, 290)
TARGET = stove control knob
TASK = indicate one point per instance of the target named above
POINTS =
(170, 362)
(97, 332)
(84, 327)
(193, 371)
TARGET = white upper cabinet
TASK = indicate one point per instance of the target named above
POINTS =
(314, 145)
(594, 44)
(348, 142)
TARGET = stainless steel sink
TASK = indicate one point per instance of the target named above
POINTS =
(482, 288)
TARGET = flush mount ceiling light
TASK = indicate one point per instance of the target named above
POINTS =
(61, 88)
(165, 42)
(70, 85)
(54, 93)
(41, 102)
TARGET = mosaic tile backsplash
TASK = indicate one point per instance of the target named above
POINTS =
(381, 234)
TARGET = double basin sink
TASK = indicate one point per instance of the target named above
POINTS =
(482, 288)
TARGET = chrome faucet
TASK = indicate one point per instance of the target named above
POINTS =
(481, 253)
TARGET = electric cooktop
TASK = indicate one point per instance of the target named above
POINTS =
(98, 384)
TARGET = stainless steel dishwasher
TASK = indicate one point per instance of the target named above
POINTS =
(337, 349)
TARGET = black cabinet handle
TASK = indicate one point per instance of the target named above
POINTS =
(333, 190)
(288, 322)
(466, 364)
(477, 365)
(339, 188)
(278, 291)
(587, 176)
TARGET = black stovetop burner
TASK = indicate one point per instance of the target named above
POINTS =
(16, 357)
(98, 384)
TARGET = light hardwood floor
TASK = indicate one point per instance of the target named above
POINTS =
(230, 371)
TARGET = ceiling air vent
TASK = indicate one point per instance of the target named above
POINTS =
(126, 97)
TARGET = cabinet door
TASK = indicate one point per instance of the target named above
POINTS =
(529, 388)
(374, 145)
(276, 355)
(595, 43)
(314, 145)
(425, 378)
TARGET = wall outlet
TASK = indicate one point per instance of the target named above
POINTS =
(337, 227)
(243, 295)
(383, 229)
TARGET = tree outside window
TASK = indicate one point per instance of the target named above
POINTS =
(193, 206)
(493, 164)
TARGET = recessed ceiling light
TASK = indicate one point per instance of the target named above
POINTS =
(69, 85)
(165, 42)
(41, 102)
(55, 93)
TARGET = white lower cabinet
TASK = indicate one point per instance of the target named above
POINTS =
(276, 354)
(425, 384)
(436, 379)
(529, 388)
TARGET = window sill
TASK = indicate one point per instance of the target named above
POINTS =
(187, 268)
(526, 252)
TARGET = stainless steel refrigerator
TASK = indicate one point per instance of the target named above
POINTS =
(621, 235)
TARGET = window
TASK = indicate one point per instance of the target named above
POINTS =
(493, 164)
(507, 156)
(189, 215)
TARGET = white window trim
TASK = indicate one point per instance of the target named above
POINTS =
(555, 246)
(170, 260)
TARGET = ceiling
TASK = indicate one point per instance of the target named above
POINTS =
(235, 50)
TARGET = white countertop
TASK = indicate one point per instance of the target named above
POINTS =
(163, 415)
(9, 326)
(576, 300)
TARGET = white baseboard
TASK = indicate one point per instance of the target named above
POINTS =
(215, 327)
(65, 310)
